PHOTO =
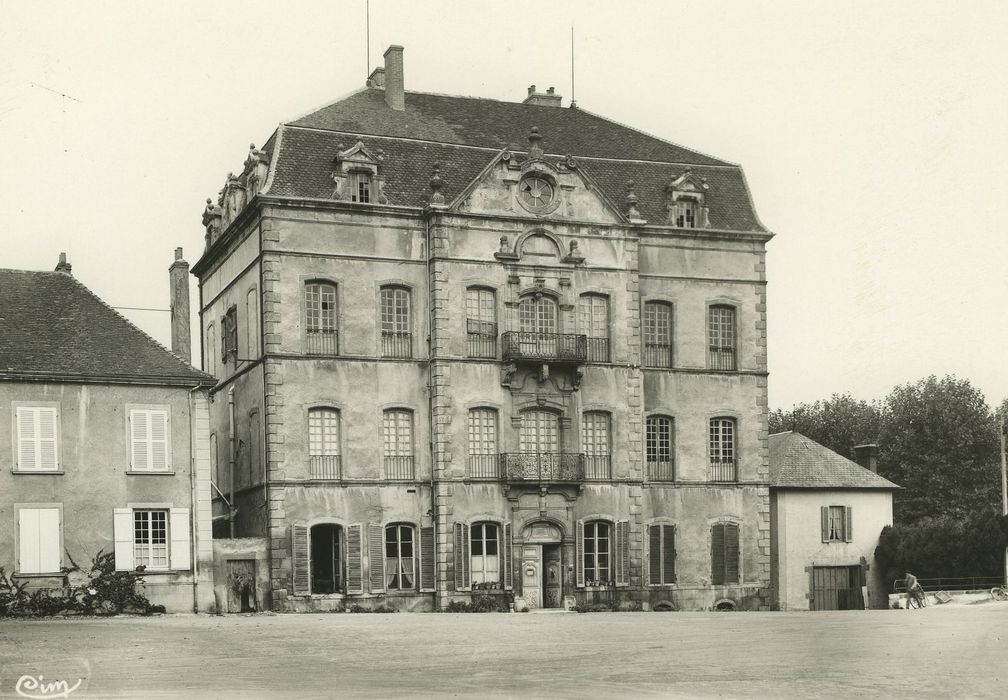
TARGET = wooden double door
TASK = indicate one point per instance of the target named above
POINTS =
(542, 575)
(836, 588)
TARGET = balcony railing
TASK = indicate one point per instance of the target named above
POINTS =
(597, 467)
(399, 468)
(661, 470)
(552, 347)
(542, 467)
(657, 355)
(598, 349)
(484, 467)
(397, 344)
(325, 467)
(722, 358)
(323, 342)
(482, 338)
(723, 470)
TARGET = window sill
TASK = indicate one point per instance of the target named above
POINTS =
(42, 472)
(151, 472)
(20, 574)
(157, 572)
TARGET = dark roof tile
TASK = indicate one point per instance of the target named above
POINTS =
(799, 462)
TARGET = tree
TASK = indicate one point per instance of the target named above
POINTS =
(839, 422)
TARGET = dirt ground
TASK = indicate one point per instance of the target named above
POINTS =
(960, 651)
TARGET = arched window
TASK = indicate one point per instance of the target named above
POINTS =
(537, 313)
(396, 322)
(484, 548)
(657, 334)
(721, 337)
(483, 443)
(481, 322)
(597, 549)
(593, 318)
(724, 553)
(722, 449)
(595, 444)
(400, 559)
(324, 460)
(320, 318)
(659, 441)
(327, 560)
(252, 324)
(211, 359)
(397, 434)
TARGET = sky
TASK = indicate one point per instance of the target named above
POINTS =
(874, 138)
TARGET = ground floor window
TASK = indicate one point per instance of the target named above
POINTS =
(327, 559)
(661, 554)
(597, 535)
(39, 538)
(483, 550)
(400, 562)
(724, 553)
(150, 538)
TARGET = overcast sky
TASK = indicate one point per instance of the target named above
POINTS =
(874, 137)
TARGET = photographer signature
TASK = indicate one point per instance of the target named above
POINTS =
(39, 688)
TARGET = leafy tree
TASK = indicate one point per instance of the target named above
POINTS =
(839, 422)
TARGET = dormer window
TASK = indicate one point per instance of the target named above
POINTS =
(358, 175)
(686, 198)
(685, 213)
(360, 188)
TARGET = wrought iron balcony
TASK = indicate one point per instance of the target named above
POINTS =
(542, 467)
(545, 347)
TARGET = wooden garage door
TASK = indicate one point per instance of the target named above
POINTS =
(836, 588)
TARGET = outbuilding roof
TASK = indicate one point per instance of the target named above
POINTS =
(54, 328)
(800, 462)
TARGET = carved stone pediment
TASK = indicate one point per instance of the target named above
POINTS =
(357, 174)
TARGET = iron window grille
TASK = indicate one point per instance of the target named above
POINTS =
(721, 337)
(722, 449)
(659, 448)
(657, 334)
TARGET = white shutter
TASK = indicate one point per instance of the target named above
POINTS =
(26, 439)
(47, 455)
(122, 526)
(178, 529)
(50, 554)
(158, 421)
(28, 541)
(138, 437)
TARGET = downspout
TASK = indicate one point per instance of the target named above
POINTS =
(264, 418)
(231, 460)
(193, 501)
(430, 400)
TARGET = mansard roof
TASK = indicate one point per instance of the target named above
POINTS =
(800, 462)
(54, 328)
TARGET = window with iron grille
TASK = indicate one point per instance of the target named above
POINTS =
(324, 443)
(481, 322)
(661, 554)
(400, 560)
(397, 430)
(593, 318)
(229, 335)
(396, 322)
(483, 553)
(597, 537)
(724, 553)
(721, 337)
(321, 318)
(150, 538)
(722, 449)
(595, 443)
(360, 184)
(659, 443)
(483, 443)
(657, 334)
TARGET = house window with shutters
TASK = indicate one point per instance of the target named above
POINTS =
(484, 553)
(321, 318)
(150, 539)
(721, 337)
(481, 322)
(595, 445)
(38, 448)
(396, 322)
(327, 564)
(593, 319)
(40, 540)
(397, 434)
(836, 523)
(657, 334)
(483, 443)
(660, 448)
(400, 561)
(661, 554)
(150, 443)
(724, 553)
(324, 460)
(597, 551)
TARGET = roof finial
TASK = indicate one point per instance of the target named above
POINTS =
(631, 204)
(535, 150)
(63, 265)
(436, 183)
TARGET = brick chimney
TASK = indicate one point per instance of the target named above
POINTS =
(178, 278)
(377, 78)
(393, 74)
(867, 456)
(63, 265)
(543, 99)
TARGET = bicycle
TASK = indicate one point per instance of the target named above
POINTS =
(916, 599)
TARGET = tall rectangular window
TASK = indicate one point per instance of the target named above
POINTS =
(685, 214)
(484, 558)
(324, 443)
(657, 334)
(597, 564)
(149, 440)
(593, 318)
(724, 554)
(595, 443)
(320, 318)
(659, 448)
(481, 322)
(661, 554)
(39, 541)
(150, 538)
(360, 191)
(721, 337)
(400, 560)
(396, 322)
(37, 439)
(483, 443)
(397, 433)
(722, 449)
(252, 324)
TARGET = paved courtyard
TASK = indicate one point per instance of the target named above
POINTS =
(938, 652)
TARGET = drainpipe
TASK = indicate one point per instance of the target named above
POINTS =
(194, 502)
(231, 459)
(1004, 485)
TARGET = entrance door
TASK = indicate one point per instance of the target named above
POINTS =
(532, 576)
(836, 588)
(552, 576)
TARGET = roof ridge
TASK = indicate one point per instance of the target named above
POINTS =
(330, 104)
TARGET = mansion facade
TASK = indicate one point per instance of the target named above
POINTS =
(469, 347)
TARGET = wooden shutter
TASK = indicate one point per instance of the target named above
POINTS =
(668, 554)
(462, 563)
(718, 554)
(159, 440)
(506, 554)
(29, 542)
(428, 562)
(140, 458)
(654, 555)
(848, 524)
(824, 516)
(48, 458)
(122, 533)
(579, 553)
(355, 559)
(37, 439)
(623, 553)
(731, 548)
(376, 558)
(27, 458)
(180, 557)
(300, 560)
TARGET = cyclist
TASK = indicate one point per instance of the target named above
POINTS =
(913, 589)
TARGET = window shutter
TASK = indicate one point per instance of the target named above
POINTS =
(376, 558)
(225, 334)
(300, 560)
(138, 436)
(579, 553)
(427, 560)
(178, 528)
(654, 555)
(623, 553)
(26, 439)
(159, 440)
(506, 554)
(668, 554)
(29, 542)
(824, 512)
(849, 522)
(355, 559)
(122, 532)
(718, 554)
(47, 439)
(731, 546)
(462, 563)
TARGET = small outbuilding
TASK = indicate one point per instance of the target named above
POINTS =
(826, 514)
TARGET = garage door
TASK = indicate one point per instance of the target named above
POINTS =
(836, 588)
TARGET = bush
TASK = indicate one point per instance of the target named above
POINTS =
(481, 604)
(379, 609)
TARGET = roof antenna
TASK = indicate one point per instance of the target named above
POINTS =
(573, 103)
(367, 32)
